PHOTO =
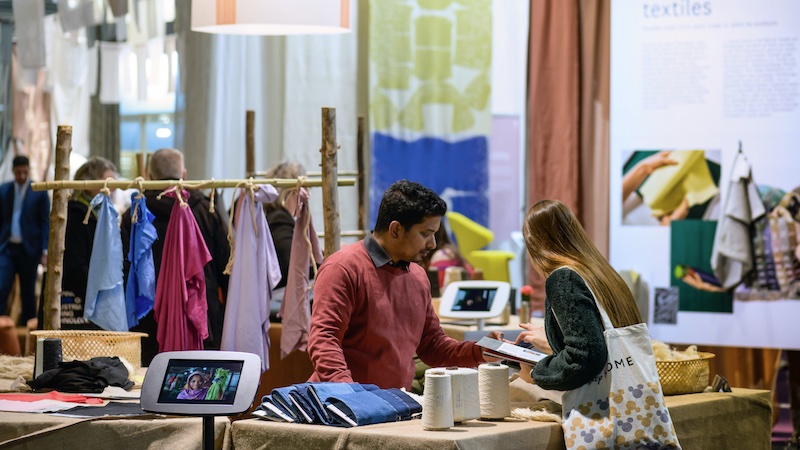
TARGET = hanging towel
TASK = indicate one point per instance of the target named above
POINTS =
(295, 308)
(80, 15)
(246, 327)
(109, 72)
(732, 255)
(105, 298)
(29, 27)
(665, 189)
(180, 306)
(140, 293)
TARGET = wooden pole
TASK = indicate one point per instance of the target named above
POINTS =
(362, 188)
(58, 229)
(185, 184)
(250, 144)
(330, 196)
(141, 170)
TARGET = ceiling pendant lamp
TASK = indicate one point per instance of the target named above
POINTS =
(271, 17)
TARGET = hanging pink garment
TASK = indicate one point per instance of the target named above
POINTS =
(246, 327)
(295, 308)
(180, 306)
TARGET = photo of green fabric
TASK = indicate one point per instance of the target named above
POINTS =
(691, 244)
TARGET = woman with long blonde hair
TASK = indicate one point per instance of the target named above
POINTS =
(600, 351)
(561, 251)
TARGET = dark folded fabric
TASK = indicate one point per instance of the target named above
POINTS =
(319, 393)
(84, 376)
(363, 408)
(363, 404)
(281, 398)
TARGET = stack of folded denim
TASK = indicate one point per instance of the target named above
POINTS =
(337, 404)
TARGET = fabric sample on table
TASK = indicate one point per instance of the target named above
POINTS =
(363, 408)
(255, 272)
(295, 307)
(319, 393)
(140, 293)
(85, 376)
(52, 395)
(111, 409)
(180, 305)
(665, 189)
(105, 298)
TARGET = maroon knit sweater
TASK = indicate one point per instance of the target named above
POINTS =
(368, 322)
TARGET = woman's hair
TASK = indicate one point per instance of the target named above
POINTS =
(92, 169)
(555, 238)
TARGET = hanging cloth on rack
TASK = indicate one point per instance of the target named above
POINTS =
(180, 306)
(105, 298)
(295, 308)
(732, 253)
(246, 327)
(140, 292)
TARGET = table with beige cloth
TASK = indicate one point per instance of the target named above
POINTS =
(741, 419)
(45, 431)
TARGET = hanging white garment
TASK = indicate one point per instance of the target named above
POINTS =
(109, 72)
(732, 255)
(29, 27)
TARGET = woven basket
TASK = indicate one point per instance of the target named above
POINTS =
(686, 376)
(86, 344)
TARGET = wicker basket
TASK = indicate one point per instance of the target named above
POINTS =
(86, 344)
(685, 376)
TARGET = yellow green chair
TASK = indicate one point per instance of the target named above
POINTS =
(471, 238)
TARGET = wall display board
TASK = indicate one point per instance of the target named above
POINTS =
(705, 143)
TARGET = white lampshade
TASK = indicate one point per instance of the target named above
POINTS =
(271, 17)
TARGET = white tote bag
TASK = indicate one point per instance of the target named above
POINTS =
(623, 407)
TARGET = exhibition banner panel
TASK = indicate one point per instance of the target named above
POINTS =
(705, 156)
(430, 116)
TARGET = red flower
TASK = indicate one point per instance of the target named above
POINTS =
(526, 290)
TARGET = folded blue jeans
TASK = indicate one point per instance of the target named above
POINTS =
(363, 408)
(319, 393)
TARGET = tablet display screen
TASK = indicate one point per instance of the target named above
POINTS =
(474, 299)
(197, 381)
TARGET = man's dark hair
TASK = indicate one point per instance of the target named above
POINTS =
(408, 203)
(20, 161)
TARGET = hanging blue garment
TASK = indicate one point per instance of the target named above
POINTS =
(105, 298)
(140, 292)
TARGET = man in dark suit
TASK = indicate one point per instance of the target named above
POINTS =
(24, 229)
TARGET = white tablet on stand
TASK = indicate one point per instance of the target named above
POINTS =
(228, 385)
(474, 299)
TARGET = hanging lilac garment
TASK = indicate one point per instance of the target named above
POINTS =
(246, 327)
(105, 297)
(140, 293)
(295, 308)
(180, 307)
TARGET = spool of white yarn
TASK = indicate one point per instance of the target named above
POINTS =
(466, 397)
(437, 408)
(493, 387)
(451, 274)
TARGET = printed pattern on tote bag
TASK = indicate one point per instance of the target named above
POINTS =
(623, 407)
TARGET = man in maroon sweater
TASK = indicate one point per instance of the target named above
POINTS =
(372, 303)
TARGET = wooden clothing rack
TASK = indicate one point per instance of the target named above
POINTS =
(329, 136)
(61, 185)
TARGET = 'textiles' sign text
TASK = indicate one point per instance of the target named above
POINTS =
(676, 9)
